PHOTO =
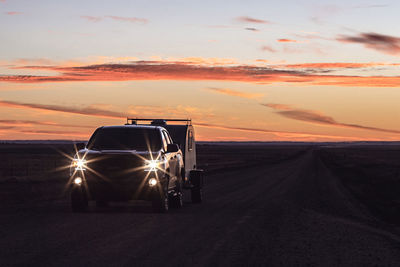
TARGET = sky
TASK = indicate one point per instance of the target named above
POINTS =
(241, 70)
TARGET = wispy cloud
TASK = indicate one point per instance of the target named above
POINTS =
(192, 71)
(81, 111)
(129, 19)
(11, 125)
(316, 117)
(252, 29)
(227, 91)
(103, 111)
(25, 123)
(371, 6)
(92, 18)
(337, 65)
(287, 41)
(380, 42)
(55, 132)
(116, 18)
(13, 13)
(246, 19)
(268, 48)
(280, 134)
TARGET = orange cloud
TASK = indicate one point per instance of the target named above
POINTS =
(310, 116)
(62, 133)
(165, 70)
(20, 123)
(252, 20)
(227, 91)
(317, 117)
(287, 41)
(175, 111)
(280, 134)
(81, 111)
(98, 111)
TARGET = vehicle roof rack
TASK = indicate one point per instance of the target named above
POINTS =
(134, 121)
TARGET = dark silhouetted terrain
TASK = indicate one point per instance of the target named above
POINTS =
(266, 204)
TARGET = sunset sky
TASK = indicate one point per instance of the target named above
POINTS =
(242, 70)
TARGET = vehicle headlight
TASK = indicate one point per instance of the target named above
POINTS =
(79, 164)
(78, 181)
(152, 182)
(152, 165)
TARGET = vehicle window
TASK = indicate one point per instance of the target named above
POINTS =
(167, 137)
(190, 140)
(125, 139)
(164, 140)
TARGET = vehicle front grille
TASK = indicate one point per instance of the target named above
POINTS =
(113, 166)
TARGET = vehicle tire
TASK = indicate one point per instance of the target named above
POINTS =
(177, 200)
(160, 202)
(101, 204)
(197, 194)
(79, 200)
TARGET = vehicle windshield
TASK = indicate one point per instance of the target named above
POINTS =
(125, 139)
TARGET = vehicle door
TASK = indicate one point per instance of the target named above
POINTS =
(171, 158)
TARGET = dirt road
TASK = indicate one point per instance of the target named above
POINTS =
(291, 213)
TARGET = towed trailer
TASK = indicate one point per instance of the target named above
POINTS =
(182, 133)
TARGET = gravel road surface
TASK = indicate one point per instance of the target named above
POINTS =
(291, 213)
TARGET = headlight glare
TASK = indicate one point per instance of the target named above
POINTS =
(78, 181)
(79, 164)
(152, 165)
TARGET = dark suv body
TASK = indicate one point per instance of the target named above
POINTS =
(131, 162)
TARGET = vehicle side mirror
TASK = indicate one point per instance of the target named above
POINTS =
(79, 146)
(172, 148)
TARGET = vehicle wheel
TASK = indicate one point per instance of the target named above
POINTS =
(197, 195)
(101, 204)
(177, 200)
(79, 201)
(160, 202)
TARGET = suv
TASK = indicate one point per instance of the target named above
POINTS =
(136, 162)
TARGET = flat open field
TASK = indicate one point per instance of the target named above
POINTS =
(266, 204)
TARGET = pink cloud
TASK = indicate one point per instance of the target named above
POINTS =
(252, 20)
(129, 19)
(13, 13)
(92, 18)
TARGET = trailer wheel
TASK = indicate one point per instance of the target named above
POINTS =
(177, 198)
(79, 200)
(197, 194)
(197, 180)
